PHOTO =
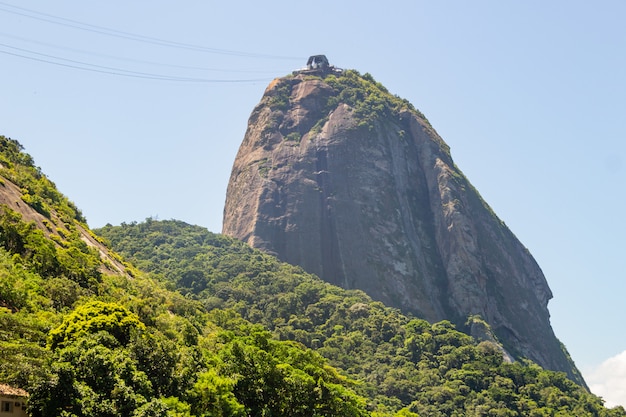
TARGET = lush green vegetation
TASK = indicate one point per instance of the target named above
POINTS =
(401, 363)
(86, 343)
(49, 257)
(207, 326)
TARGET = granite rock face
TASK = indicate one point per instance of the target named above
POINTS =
(353, 184)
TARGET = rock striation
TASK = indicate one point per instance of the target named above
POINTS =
(353, 184)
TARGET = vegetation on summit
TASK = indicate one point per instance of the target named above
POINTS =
(369, 99)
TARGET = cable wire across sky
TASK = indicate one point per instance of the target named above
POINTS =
(131, 60)
(115, 71)
(86, 65)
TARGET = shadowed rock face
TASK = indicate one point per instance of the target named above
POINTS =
(373, 201)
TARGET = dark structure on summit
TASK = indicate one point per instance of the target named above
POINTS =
(318, 64)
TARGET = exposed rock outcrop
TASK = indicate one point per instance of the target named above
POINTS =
(11, 198)
(353, 184)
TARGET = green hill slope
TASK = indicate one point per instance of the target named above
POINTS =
(88, 335)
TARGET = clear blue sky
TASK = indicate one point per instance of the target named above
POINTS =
(137, 108)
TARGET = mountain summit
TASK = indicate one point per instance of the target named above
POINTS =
(352, 183)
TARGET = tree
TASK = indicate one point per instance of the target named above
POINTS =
(93, 317)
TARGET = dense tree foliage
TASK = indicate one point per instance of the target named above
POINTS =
(206, 326)
(402, 363)
(85, 342)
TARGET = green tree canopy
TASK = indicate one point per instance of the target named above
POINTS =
(93, 317)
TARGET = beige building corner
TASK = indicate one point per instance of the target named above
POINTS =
(12, 401)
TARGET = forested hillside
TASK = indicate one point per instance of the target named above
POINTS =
(399, 362)
(85, 340)
(189, 323)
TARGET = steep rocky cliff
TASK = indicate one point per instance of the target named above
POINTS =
(353, 184)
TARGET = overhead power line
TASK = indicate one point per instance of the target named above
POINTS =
(32, 14)
(9, 48)
(68, 63)
(133, 60)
